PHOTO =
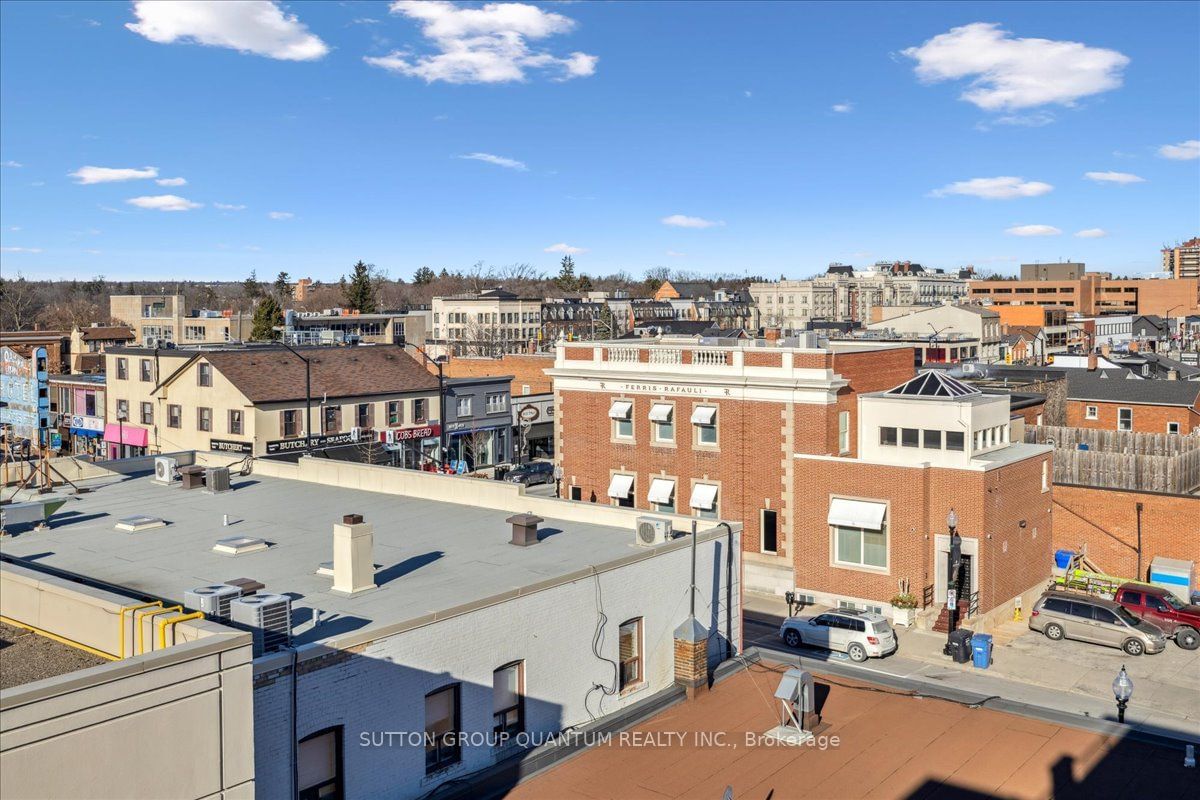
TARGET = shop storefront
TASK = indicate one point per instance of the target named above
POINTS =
(85, 436)
(125, 441)
(476, 448)
(533, 427)
(414, 447)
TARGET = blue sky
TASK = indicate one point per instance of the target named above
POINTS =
(759, 138)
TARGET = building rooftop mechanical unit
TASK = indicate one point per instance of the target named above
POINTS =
(139, 522)
(239, 545)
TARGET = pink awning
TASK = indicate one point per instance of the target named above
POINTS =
(126, 434)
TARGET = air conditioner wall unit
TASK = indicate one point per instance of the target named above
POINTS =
(267, 616)
(651, 531)
(166, 470)
(214, 600)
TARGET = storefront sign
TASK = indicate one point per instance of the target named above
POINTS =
(667, 388)
(118, 433)
(301, 444)
(229, 446)
(392, 435)
(82, 422)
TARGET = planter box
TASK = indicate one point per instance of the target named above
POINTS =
(904, 616)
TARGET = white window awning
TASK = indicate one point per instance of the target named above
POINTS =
(857, 514)
(704, 415)
(661, 412)
(620, 486)
(704, 497)
(661, 491)
(621, 409)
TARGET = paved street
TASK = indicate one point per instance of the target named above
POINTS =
(1070, 677)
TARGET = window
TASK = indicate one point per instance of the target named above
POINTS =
(89, 404)
(395, 413)
(704, 500)
(631, 653)
(146, 370)
(331, 419)
(235, 421)
(442, 746)
(496, 403)
(770, 530)
(704, 419)
(204, 374)
(1091, 412)
(1045, 476)
(910, 437)
(147, 413)
(662, 495)
(289, 423)
(1124, 419)
(1173, 427)
(363, 418)
(844, 432)
(620, 488)
(193, 333)
(621, 413)
(860, 547)
(508, 699)
(204, 419)
(1132, 598)
(123, 409)
(933, 439)
(319, 766)
(420, 411)
(464, 407)
(887, 437)
(174, 416)
(122, 369)
(955, 440)
(662, 420)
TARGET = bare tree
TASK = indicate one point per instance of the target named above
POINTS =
(20, 302)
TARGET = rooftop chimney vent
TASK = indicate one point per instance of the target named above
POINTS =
(524, 529)
(353, 551)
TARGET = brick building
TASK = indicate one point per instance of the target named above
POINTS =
(1117, 400)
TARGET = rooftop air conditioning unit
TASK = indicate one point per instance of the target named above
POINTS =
(652, 530)
(165, 470)
(212, 600)
(216, 479)
(267, 616)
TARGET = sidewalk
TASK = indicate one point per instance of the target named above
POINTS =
(1074, 679)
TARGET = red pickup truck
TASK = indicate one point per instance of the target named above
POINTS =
(1157, 605)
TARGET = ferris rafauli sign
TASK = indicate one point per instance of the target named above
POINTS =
(667, 388)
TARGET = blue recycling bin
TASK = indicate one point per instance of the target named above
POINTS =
(1062, 558)
(981, 650)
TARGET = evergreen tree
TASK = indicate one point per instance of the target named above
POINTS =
(251, 288)
(566, 279)
(445, 273)
(360, 290)
(584, 284)
(283, 285)
(267, 314)
(423, 276)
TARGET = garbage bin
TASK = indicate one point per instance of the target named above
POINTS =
(981, 650)
(958, 646)
(1062, 558)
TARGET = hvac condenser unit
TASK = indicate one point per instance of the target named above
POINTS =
(652, 531)
(216, 479)
(212, 600)
(267, 616)
(165, 470)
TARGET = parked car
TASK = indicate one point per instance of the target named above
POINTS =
(531, 474)
(858, 634)
(1068, 615)
(1181, 621)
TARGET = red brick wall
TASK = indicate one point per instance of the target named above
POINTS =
(579, 354)
(1105, 520)
(525, 369)
(919, 499)
(755, 358)
(1030, 413)
(1146, 419)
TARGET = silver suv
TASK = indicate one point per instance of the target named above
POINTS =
(1063, 615)
(858, 634)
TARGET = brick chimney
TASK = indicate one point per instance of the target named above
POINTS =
(691, 656)
(771, 334)
(1092, 361)
(353, 555)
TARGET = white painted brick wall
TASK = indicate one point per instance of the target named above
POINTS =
(384, 690)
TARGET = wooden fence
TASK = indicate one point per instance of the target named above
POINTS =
(1149, 462)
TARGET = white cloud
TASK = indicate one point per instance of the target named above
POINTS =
(1011, 73)
(1184, 151)
(172, 181)
(1091, 233)
(675, 254)
(14, 228)
(683, 221)
(21, 249)
(748, 93)
(843, 108)
(1114, 177)
(1035, 119)
(15, 164)
(163, 202)
(87, 175)
(563, 247)
(248, 26)
(1033, 230)
(1005, 187)
(499, 161)
(280, 215)
(488, 44)
(228, 207)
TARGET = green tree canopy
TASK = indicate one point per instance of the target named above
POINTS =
(424, 276)
(283, 283)
(360, 290)
(267, 314)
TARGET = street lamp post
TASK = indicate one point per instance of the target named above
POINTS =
(307, 395)
(1122, 687)
(953, 565)
(121, 417)
(438, 362)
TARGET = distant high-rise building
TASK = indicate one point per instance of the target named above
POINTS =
(1061, 271)
(1182, 260)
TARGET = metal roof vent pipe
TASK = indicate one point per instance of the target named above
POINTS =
(353, 556)
(524, 529)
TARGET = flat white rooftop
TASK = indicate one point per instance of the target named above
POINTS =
(432, 555)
